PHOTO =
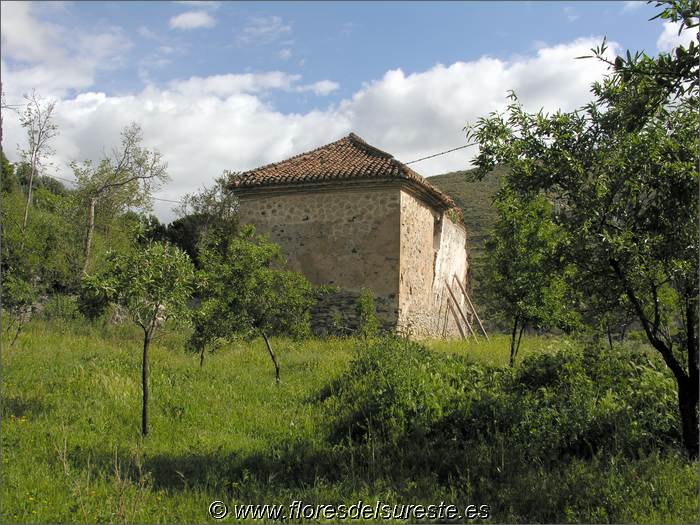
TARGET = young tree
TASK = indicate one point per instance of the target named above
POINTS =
(37, 120)
(524, 277)
(244, 293)
(125, 178)
(208, 218)
(622, 175)
(153, 284)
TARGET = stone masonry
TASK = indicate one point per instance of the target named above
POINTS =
(351, 216)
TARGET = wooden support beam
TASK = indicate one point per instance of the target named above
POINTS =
(471, 305)
(459, 309)
(454, 313)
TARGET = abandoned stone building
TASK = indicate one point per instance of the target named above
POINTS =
(350, 215)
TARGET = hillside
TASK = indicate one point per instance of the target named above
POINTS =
(474, 198)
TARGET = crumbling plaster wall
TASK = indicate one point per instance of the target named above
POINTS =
(433, 250)
(348, 238)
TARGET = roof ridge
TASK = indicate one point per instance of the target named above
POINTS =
(347, 158)
(362, 143)
(272, 164)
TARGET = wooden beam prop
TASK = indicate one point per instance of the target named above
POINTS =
(471, 305)
(459, 309)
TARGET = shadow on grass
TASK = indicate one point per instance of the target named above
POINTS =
(20, 406)
(284, 466)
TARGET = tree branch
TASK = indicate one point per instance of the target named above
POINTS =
(657, 343)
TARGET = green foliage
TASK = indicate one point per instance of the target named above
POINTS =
(622, 176)
(208, 219)
(390, 391)
(61, 307)
(525, 275)
(243, 292)
(18, 297)
(414, 410)
(153, 284)
(69, 421)
(367, 313)
(43, 254)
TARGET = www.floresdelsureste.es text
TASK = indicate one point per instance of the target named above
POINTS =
(298, 510)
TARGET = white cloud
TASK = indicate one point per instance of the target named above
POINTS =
(263, 30)
(204, 125)
(285, 53)
(323, 87)
(192, 20)
(633, 5)
(571, 14)
(145, 32)
(226, 85)
(200, 3)
(51, 58)
(670, 39)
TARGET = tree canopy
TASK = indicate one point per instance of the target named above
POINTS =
(622, 176)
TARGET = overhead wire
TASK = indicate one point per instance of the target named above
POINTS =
(183, 202)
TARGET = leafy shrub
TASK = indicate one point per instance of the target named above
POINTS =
(367, 314)
(61, 307)
(92, 303)
(390, 390)
(574, 403)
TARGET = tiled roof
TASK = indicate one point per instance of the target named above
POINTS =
(349, 158)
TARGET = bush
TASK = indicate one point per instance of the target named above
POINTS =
(367, 314)
(576, 435)
(390, 390)
(574, 403)
(61, 307)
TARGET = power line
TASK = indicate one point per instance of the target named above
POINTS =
(73, 181)
(442, 153)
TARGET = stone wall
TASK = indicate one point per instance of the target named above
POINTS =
(433, 250)
(345, 237)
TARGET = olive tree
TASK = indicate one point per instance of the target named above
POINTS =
(38, 120)
(126, 177)
(153, 284)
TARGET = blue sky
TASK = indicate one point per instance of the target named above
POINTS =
(224, 85)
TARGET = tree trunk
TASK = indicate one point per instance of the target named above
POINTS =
(88, 237)
(688, 406)
(144, 378)
(520, 335)
(272, 355)
(512, 341)
(32, 170)
(201, 357)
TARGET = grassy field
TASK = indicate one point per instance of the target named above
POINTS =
(72, 452)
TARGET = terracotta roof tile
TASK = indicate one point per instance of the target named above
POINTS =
(349, 158)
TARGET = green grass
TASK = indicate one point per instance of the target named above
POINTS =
(495, 351)
(72, 451)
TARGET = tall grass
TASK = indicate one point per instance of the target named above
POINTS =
(72, 451)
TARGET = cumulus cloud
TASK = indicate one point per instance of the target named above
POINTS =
(204, 125)
(42, 55)
(670, 39)
(285, 53)
(192, 20)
